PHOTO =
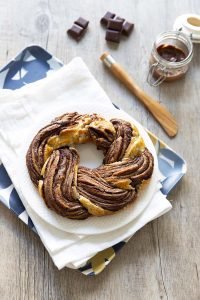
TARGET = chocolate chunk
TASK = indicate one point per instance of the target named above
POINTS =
(114, 24)
(127, 28)
(78, 28)
(113, 36)
(106, 18)
(82, 22)
(76, 32)
(120, 19)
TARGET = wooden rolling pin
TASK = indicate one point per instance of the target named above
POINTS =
(160, 113)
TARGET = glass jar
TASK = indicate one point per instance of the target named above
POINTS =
(162, 67)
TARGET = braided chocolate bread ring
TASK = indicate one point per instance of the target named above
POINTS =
(78, 192)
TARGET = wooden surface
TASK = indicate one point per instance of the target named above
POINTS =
(162, 261)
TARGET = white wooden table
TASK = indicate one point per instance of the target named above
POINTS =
(162, 261)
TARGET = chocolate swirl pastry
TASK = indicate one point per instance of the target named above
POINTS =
(77, 192)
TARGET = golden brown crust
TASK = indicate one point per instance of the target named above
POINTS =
(94, 209)
(76, 192)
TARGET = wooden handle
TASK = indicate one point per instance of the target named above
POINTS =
(161, 114)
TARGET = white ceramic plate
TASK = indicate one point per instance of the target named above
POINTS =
(92, 225)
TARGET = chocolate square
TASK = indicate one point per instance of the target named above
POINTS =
(113, 36)
(76, 32)
(127, 28)
(82, 22)
(120, 19)
(106, 18)
(114, 24)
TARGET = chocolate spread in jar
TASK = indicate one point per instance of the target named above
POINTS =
(171, 53)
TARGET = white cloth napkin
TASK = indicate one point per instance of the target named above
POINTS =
(18, 110)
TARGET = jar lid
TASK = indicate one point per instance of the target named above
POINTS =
(190, 25)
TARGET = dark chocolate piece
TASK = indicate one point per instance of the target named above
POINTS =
(127, 28)
(120, 19)
(82, 22)
(114, 24)
(76, 32)
(113, 36)
(106, 18)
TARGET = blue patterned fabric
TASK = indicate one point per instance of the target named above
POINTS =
(35, 63)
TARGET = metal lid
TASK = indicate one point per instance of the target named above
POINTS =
(190, 25)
